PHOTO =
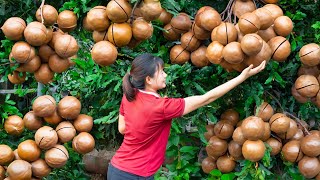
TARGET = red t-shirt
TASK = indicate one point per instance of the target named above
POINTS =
(147, 128)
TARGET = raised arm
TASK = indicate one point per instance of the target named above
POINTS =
(194, 102)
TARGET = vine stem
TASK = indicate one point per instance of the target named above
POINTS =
(227, 12)
(133, 9)
(41, 9)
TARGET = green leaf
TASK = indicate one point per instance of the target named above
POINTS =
(188, 149)
(228, 176)
(216, 173)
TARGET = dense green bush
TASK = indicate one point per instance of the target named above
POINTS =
(99, 89)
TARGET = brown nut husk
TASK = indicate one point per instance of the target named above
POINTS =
(66, 46)
(200, 33)
(119, 11)
(83, 123)
(86, 25)
(263, 55)
(13, 28)
(310, 54)
(120, 34)
(19, 170)
(214, 52)
(58, 64)
(298, 136)
(44, 106)
(165, 17)
(83, 143)
(49, 14)
(235, 149)
(251, 44)
(238, 136)
(267, 132)
(16, 155)
(99, 36)
(150, 10)
(49, 32)
(267, 34)
(69, 107)
(283, 25)
(241, 7)
(275, 10)
(104, 53)
(30, 66)
(225, 33)
(55, 35)
(169, 33)
(29, 151)
(249, 23)
(198, 57)
(46, 137)
(226, 164)
(240, 35)
(307, 85)
(280, 48)
(208, 164)
(310, 145)
(45, 52)
(265, 17)
(210, 131)
(223, 129)
(253, 128)
(279, 123)
(308, 70)
(44, 74)
(22, 52)
(6, 154)
(40, 168)
(141, 29)
(208, 19)
(291, 151)
(57, 156)
(253, 150)
(2, 173)
(31, 121)
(293, 128)
(309, 167)
(15, 77)
(14, 125)
(181, 23)
(233, 53)
(178, 55)
(67, 20)
(55, 118)
(231, 115)
(189, 41)
(35, 33)
(298, 96)
(276, 146)
(97, 18)
(216, 146)
(65, 131)
(265, 111)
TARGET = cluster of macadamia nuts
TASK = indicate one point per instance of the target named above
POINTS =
(260, 34)
(38, 49)
(66, 118)
(230, 140)
(306, 86)
(115, 25)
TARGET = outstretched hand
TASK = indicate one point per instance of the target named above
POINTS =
(250, 71)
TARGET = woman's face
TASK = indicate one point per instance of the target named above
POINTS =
(159, 79)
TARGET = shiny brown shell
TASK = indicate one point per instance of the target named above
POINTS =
(231, 115)
(214, 52)
(238, 136)
(310, 54)
(40, 168)
(235, 149)
(119, 11)
(14, 125)
(265, 111)
(208, 164)
(217, 146)
(189, 41)
(310, 145)
(178, 55)
(104, 53)
(67, 20)
(226, 164)
(151, 10)
(223, 129)
(69, 107)
(267, 34)
(97, 18)
(58, 64)
(83, 143)
(298, 96)
(251, 44)
(181, 23)
(16, 77)
(293, 129)
(291, 151)
(45, 52)
(44, 106)
(240, 7)
(55, 118)
(29, 151)
(83, 123)
(225, 33)
(165, 17)
(276, 146)
(233, 53)
(46, 137)
(253, 128)
(198, 57)
(13, 28)
(265, 17)
(19, 169)
(31, 66)
(49, 15)
(66, 46)
(120, 34)
(22, 52)
(253, 150)
(308, 70)
(31, 121)
(249, 23)
(57, 156)
(65, 131)
(208, 19)
(169, 33)
(263, 55)
(279, 123)
(274, 9)
(309, 167)
(200, 33)
(307, 85)
(283, 26)
(141, 29)
(99, 36)
(6, 154)
(280, 48)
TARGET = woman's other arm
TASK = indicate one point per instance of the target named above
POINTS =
(121, 124)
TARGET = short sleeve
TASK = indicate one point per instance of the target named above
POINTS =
(121, 111)
(173, 107)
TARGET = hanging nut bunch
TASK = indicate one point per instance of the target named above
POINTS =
(43, 52)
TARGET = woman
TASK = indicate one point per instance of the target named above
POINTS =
(145, 117)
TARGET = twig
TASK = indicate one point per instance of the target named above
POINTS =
(227, 12)
(298, 121)
(276, 99)
(6, 63)
(41, 9)
(133, 9)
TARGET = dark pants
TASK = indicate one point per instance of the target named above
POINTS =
(117, 174)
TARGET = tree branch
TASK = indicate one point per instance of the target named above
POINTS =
(133, 9)
(41, 11)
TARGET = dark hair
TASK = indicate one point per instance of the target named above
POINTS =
(142, 66)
